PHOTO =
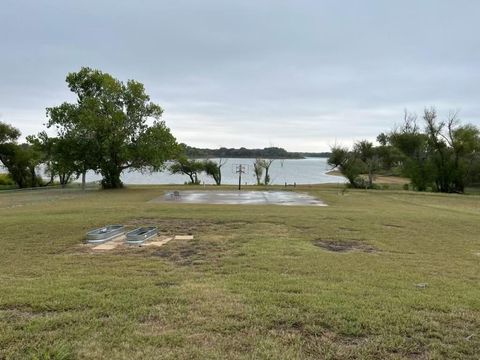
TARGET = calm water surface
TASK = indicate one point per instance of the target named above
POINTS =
(302, 171)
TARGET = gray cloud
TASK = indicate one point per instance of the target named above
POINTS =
(298, 74)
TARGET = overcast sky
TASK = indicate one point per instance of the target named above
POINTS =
(298, 74)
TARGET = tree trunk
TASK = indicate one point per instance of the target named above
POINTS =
(217, 177)
(83, 179)
(111, 179)
(267, 177)
(33, 177)
(64, 179)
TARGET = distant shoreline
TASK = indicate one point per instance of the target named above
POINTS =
(253, 157)
(243, 153)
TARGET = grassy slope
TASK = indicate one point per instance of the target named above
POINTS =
(251, 284)
(378, 179)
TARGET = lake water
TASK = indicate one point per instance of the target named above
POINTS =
(301, 171)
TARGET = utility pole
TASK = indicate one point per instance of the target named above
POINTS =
(240, 169)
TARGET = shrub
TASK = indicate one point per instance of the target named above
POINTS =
(6, 180)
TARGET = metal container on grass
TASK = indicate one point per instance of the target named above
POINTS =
(105, 233)
(142, 234)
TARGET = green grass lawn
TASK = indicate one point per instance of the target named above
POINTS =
(253, 284)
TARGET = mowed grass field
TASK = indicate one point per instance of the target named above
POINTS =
(257, 282)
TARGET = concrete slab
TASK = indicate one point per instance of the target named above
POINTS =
(183, 237)
(286, 198)
(160, 241)
(110, 245)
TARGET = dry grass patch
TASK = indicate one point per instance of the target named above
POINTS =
(344, 245)
(250, 285)
(196, 251)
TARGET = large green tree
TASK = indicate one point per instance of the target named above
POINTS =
(465, 142)
(189, 167)
(214, 169)
(367, 153)
(8, 133)
(413, 146)
(454, 149)
(58, 156)
(362, 159)
(21, 160)
(109, 126)
(442, 156)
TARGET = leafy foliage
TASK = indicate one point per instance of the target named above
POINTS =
(191, 168)
(58, 155)
(108, 128)
(363, 159)
(6, 180)
(266, 153)
(260, 167)
(20, 160)
(214, 170)
(445, 157)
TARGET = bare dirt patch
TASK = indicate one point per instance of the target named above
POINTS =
(344, 245)
(181, 241)
(159, 241)
(167, 284)
(184, 226)
(193, 252)
(394, 226)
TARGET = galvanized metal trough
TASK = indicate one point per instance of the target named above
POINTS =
(142, 234)
(105, 233)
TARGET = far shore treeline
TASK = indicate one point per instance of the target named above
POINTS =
(266, 153)
(113, 126)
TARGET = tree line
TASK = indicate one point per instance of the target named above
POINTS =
(441, 155)
(192, 168)
(268, 153)
(265, 153)
(112, 127)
